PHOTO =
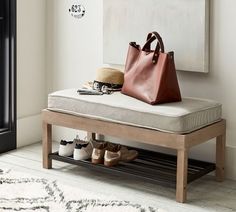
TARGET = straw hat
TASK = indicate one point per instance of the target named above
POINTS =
(110, 76)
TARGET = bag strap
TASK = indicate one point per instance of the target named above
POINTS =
(160, 45)
(148, 46)
(153, 36)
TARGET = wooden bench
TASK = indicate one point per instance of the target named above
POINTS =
(180, 142)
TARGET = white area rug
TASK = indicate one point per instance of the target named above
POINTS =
(21, 192)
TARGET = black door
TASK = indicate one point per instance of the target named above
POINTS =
(7, 75)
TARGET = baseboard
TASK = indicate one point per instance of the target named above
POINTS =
(230, 162)
(62, 133)
(29, 130)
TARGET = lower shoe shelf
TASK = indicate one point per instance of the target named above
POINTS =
(152, 166)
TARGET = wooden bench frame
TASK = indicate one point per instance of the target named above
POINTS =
(180, 142)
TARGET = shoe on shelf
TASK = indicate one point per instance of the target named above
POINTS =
(83, 151)
(112, 156)
(99, 148)
(119, 153)
(66, 148)
(128, 155)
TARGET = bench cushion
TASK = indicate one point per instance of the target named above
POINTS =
(179, 117)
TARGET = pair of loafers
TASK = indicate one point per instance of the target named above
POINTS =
(111, 154)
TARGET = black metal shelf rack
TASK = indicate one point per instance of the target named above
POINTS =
(153, 166)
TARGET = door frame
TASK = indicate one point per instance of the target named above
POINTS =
(8, 137)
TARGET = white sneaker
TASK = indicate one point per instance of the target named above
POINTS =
(66, 148)
(83, 151)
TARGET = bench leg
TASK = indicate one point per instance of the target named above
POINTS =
(47, 145)
(94, 136)
(91, 135)
(220, 157)
(182, 174)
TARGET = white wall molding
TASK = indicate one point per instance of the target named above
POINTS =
(230, 166)
(31, 69)
(29, 130)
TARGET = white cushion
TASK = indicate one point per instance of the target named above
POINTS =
(179, 117)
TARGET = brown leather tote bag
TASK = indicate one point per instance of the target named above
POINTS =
(150, 75)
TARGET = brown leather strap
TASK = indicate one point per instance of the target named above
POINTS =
(160, 45)
(148, 46)
(159, 40)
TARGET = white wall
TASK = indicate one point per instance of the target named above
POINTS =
(74, 48)
(31, 69)
(74, 45)
(75, 51)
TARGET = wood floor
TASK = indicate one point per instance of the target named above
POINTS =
(203, 195)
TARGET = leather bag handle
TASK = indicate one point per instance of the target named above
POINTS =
(148, 46)
(160, 45)
(153, 36)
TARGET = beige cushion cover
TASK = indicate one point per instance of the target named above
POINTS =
(179, 117)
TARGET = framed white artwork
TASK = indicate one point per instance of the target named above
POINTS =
(183, 25)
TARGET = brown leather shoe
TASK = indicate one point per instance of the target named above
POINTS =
(117, 154)
(128, 155)
(99, 149)
(112, 156)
